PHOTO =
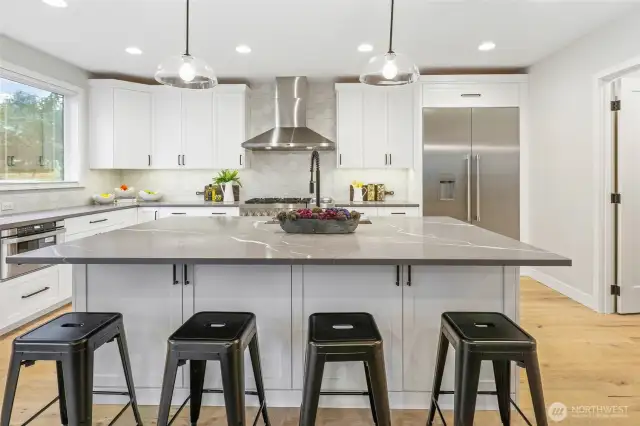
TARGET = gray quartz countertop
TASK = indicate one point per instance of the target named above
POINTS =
(245, 240)
(29, 218)
(389, 203)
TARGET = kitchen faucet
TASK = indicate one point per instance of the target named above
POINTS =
(315, 156)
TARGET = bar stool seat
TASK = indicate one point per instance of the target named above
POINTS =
(343, 337)
(479, 336)
(71, 340)
(214, 336)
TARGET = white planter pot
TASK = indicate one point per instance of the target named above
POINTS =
(228, 193)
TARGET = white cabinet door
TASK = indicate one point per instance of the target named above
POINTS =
(65, 287)
(197, 121)
(400, 122)
(167, 128)
(374, 148)
(434, 290)
(131, 129)
(162, 303)
(147, 214)
(341, 289)
(263, 290)
(365, 212)
(350, 128)
(101, 127)
(230, 130)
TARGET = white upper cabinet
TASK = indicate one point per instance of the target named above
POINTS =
(375, 126)
(230, 111)
(198, 123)
(137, 126)
(167, 128)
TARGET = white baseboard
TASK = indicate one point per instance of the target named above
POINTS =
(553, 283)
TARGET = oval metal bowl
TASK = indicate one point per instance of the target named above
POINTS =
(316, 226)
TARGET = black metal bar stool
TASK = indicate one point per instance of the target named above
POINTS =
(478, 336)
(343, 337)
(71, 340)
(214, 336)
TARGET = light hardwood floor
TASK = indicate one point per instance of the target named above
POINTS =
(587, 359)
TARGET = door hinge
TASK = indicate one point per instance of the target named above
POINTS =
(615, 290)
(615, 105)
(616, 198)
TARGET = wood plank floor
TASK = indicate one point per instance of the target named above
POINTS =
(587, 359)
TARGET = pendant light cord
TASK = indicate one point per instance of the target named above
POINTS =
(390, 28)
(187, 51)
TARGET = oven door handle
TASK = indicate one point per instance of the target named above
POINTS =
(33, 237)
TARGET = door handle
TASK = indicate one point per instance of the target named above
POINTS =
(390, 162)
(241, 159)
(340, 159)
(183, 162)
(478, 187)
(409, 275)
(149, 159)
(186, 281)
(26, 296)
(397, 275)
(468, 160)
(98, 221)
(178, 213)
(385, 159)
(179, 160)
(175, 275)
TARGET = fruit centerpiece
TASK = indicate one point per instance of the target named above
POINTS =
(319, 221)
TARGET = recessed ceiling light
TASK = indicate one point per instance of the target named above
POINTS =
(486, 46)
(132, 50)
(56, 3)
(243, 48)
(365, 47)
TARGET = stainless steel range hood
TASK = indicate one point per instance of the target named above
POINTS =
(290, 132)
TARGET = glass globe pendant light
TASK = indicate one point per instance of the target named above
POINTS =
(186, 71)
(390, 69)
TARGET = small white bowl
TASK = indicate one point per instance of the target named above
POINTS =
(129, 193)
(149, 197)
(98, 199)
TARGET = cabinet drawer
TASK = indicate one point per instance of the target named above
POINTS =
(470, 95)
(197, 211)
(399, 211)
(24, 296)
(121, 218)
(365, 212)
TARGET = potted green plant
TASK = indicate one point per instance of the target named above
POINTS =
(226, 178)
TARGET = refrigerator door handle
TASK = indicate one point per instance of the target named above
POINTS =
(478, 187)
(468, 160)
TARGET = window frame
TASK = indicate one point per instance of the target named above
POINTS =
(74, 119)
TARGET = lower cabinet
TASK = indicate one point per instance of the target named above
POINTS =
(263, 290)
(434, 290)
(356, 289)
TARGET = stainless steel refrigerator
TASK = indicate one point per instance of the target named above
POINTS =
(471, 166)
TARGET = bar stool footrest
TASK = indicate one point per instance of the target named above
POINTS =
(249, 392)
(494, 393)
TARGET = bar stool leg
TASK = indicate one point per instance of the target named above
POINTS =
(535, 387)
(128, 374)
(502, 374)
(168, 382)
(443, 349)
(311, 389)
(197, 371)
(370, 390)
(62, 400)
(10, 389)
(466, 389)
(254, 351)
(232, 365)
(379, 385)
(77, 372)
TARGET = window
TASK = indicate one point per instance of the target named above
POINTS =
(32, 133)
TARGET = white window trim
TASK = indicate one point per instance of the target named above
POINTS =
(74, 119)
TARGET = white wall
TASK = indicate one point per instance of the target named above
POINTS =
(24, 56)
(276, 173)
(564, 194)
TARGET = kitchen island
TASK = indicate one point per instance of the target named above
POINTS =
(404, 271)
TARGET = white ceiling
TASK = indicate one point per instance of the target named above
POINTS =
(316, 38)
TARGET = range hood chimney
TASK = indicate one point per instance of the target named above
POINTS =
(290, 132)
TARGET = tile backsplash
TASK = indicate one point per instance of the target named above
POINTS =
(277, 173)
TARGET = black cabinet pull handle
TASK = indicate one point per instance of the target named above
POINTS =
(183, 162)
(222, 214)
(178, 213)
(186, 281)
(397, 275)
(98, 221)
(149, 159)
(389, 159)
(155, 215)
(241, 159)
(471, 95)
(385, 159)
(175, 275)
(26, 296)
(340, 159)
(398, 213)
(409, 275)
